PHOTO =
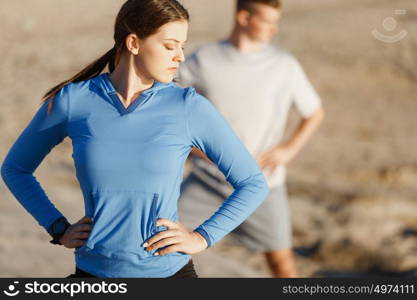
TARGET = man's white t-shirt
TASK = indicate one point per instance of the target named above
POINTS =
(253, 91)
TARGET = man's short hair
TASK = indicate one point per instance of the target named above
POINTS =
(247, 4)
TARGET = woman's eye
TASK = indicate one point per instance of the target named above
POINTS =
(169, 48)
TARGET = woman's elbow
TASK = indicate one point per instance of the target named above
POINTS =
(262, 185)
(265, 189)
(6, 172)
(3, 171)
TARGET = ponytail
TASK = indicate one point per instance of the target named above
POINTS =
(92, 70)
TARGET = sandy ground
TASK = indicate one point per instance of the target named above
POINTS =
(353, 188)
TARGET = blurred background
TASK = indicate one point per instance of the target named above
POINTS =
(353, 189)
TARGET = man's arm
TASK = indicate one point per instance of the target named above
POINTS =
(305, 130)
(308, 104)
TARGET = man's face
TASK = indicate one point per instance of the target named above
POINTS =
(262, 22)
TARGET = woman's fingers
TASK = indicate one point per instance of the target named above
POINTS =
(82, 227)
(168, 223)
(160, 236)
(81, 235)
(165, 242)
(74, 243)
(85, 219)
(170, 249)
(77, 234)
(77, 243)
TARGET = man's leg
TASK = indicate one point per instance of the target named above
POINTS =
(268, 230)
(282, 263)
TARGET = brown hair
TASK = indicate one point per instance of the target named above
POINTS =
(142, 17)
(246, 4)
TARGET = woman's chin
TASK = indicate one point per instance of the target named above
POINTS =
(165, 79)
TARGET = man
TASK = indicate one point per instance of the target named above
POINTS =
(253, 85)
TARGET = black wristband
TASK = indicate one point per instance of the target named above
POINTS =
(57, 229)
(55, 240)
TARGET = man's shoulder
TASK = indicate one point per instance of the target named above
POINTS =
(280, 53)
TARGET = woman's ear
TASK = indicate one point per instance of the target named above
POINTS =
(133, 43)
(242, 17)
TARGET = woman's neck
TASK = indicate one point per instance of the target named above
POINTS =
(127, 81)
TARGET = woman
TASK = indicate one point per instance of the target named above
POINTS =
(132, 130)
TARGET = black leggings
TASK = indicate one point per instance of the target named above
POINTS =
(187, 271)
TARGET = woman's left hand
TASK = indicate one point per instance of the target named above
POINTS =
(177, 238)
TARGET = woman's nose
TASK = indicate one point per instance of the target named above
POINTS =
(180, 56)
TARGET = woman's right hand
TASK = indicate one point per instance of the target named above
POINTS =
(76, 235)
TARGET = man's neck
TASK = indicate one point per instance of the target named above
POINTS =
(243, 43)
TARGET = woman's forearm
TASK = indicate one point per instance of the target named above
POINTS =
(245, 199)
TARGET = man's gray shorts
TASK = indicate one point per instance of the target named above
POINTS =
(268, 228)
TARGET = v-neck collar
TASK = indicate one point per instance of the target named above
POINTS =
(117, 102)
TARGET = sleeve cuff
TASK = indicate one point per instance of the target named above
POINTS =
(205, 235)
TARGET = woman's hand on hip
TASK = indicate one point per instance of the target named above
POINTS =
(176, 239)
(77, 234)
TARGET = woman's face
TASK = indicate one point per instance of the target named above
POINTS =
(160, 54)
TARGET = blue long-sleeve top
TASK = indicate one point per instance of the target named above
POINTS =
(129, 163)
